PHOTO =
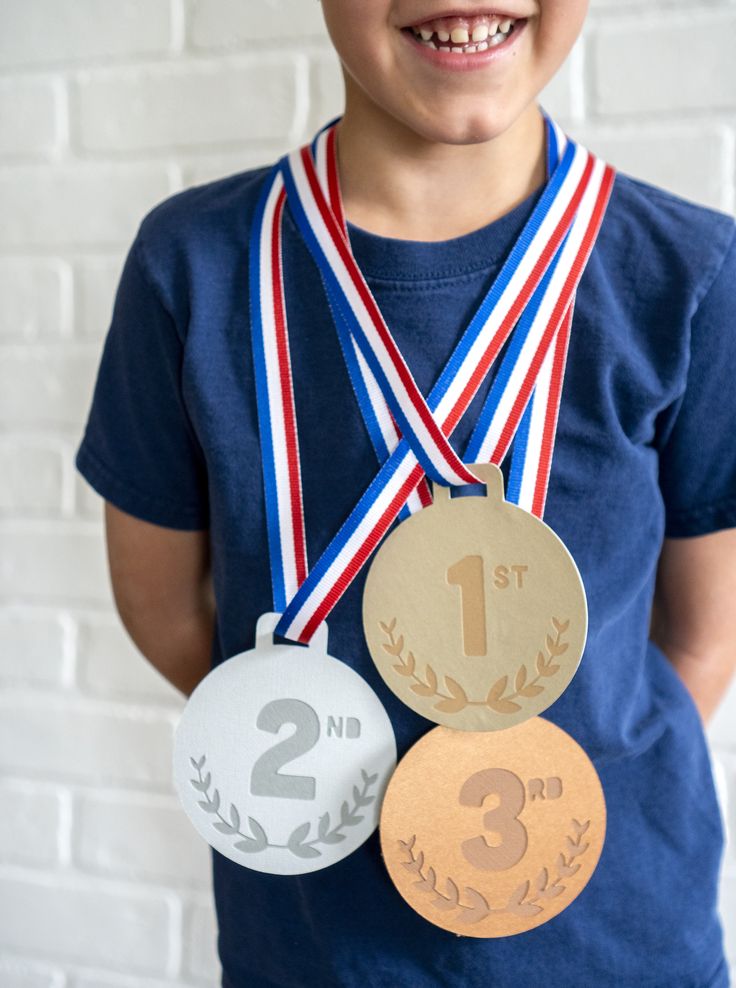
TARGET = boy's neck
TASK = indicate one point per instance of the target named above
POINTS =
(395, 183)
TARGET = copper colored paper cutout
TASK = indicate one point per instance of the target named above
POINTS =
(492, 834)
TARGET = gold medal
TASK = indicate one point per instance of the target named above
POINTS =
(492, 834)
(474, 611)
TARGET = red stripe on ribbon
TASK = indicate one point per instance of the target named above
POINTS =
(287, 397)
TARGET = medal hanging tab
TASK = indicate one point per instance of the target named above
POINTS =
(232, 767)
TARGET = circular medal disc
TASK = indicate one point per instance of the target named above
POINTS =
(474, 610)
(282, 755)
(492, 834)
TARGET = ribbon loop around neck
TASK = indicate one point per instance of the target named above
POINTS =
(533, 292)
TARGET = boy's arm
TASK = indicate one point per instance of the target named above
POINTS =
(162, 586)
(694, 613)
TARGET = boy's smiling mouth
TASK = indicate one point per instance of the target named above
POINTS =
(459, 34)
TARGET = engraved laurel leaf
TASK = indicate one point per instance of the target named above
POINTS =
(427, 884)
(561, 625)
(520, 678)
(458, 699)
(479, 907)
(430, 687)
(368, 779)
(497, 689)
(532, 690)
(257, 830)
(394, 648)
(295, 845)
(542, 879)
(248, 845)
(407, 668)
(452, 899)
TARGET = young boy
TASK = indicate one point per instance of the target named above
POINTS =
(441, 153)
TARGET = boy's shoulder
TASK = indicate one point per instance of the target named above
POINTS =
(202, 214)
(666, 235)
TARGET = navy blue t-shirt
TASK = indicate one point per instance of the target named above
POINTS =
(645, 448)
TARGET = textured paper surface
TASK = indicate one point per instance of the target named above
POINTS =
(282, 755)
(474, 610)
(494, 833)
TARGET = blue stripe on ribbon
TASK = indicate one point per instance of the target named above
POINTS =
(262, 398)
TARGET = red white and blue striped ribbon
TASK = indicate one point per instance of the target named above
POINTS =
(537, 282)
(380, 423)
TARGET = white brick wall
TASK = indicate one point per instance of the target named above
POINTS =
(106, 107)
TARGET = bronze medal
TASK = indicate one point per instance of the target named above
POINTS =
(474, 611)
(492, 834)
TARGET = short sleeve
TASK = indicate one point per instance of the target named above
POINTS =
(697, 466)
(139, 450)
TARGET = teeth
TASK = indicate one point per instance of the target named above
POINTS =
(482, 36)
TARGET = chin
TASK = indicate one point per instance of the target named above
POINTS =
(461, 128)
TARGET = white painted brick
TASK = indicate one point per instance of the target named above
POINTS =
(110, 665)
(207, 167)
(84, 743)
(47, 386)
(562, 94)
(328, 91)
(66, 919)
(186, 105)
(231, 23)
(87, 502)
(41, 561)
(34, 295)
(95, 283)
(689, 163)
(660, 64)
(31, 477)
(200, 944)
(33, 647)
(73, 30)
(30, 122)
(721, 733)
(16, 973)
(146, 839)
(80, 204)
(99, 979)
(29, 824)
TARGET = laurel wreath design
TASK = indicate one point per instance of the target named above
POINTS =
(520, 902)
(456, 699)
(297, 843)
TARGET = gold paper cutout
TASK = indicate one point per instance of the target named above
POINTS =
(444, 654)
(493, 834)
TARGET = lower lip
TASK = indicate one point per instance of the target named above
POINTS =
(465, 63)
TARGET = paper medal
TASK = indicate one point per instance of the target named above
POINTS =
(282, 755)
(474, 610)
(492, 834)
